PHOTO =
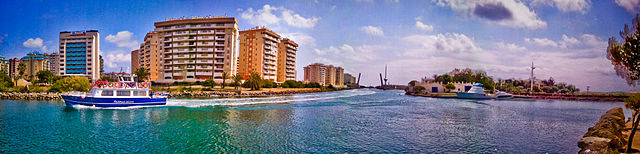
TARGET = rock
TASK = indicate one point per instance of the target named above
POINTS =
(606, 136)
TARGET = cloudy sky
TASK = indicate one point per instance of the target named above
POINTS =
(417, 38)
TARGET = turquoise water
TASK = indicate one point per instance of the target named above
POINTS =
(363, 120)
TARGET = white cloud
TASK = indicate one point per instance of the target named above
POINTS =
(372, 30)
(2, 37)
(117, 59)
(564, 43)
(566, 5)
(510, 46)
(302, 39)
(123, 39)
(34, 43)
(544, 42)
(296, 20)
(632, 6)
(268, 15)
(509, 13)
(439, 44)
(424, 27)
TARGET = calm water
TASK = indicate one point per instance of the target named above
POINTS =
(363, 120)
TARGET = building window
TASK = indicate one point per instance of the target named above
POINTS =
(139, 93)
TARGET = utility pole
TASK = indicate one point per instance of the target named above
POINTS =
(532, 68)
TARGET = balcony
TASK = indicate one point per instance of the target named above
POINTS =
(203, 73)
(206, 32)
(205, 67)
(220, 38)
(206, 49)
(168, 46)
(219, 50)
(167, 57)
(205, 56)
(219, 56)
(205, 61)
(219, 44)
(205, 43)
(207, 38)
(218, 68)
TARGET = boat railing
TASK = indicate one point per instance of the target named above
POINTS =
(76, 93)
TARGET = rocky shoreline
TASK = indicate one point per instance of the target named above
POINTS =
(186, 94)
(30, 96)
(606, 136)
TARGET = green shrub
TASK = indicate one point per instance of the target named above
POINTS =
(72, 83)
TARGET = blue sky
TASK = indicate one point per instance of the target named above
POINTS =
(566, 39)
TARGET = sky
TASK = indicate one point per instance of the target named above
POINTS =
(566, 39)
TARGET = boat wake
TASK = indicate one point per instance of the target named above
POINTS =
(248, 101)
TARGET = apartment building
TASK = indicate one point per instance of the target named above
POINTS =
(135, 60)
(258, 53)
(324, 75)
(79, 54)
(197, 48)
(286, 60)
(34, 62)
(148, 56)
(54, 62)
(13, 67)
(4, 65)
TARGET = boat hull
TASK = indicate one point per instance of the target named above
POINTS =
(472, 96)
(112, 102)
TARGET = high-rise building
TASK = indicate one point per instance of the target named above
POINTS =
(135, 60)
(4, 65)
(149, 55)
(286, 60)
(13, 67)
(197, 48)
(324, 75)
(349, 79)
(80, 54)
(34, 62)
(54, 62)
(258, 53)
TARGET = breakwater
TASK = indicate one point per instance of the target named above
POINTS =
(605, 136)
(30, 96)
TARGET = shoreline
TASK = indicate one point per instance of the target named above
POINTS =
(266, 92)
(603, 98)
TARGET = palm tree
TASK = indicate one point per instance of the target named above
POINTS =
(224, 78)
(21, 69)
(236, 80)
(255, 81)
(142, 74)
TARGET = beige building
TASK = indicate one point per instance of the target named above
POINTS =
(197, 48)
(286, 60)
(135, 60)
(34, 62)
(349, 79)
(258, 53)
(148, 56)
(438, 87)
(79, 54)
(325, 75)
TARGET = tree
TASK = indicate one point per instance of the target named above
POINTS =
(224, 78)
(72, 83)
(46, 76)
(450, 87)
(633, 103)
(625, 57)
(236, 80)
(142, 74)
(210, 82)
(21, 69)
(5, 82)
(418, 89)
(254, 82)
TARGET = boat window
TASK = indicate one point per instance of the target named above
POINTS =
(107, 93)
(139, 93)
(123, 93)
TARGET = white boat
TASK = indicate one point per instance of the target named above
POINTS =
(503, 95)
(116, 94)
(476, 92)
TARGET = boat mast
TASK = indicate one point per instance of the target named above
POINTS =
(532, 68)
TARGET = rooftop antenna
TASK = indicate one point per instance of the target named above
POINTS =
(532, 68)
